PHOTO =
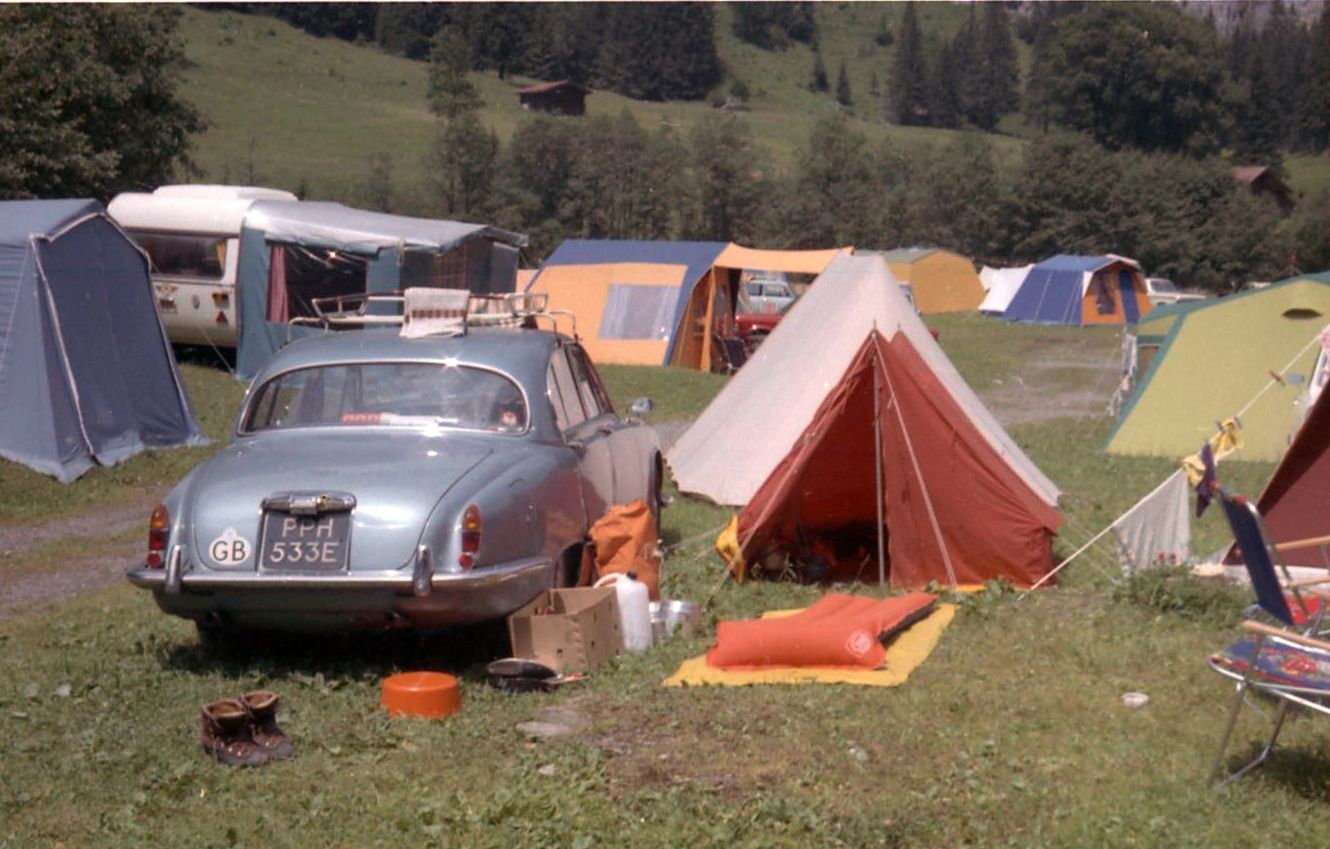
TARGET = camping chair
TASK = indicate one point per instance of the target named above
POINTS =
(1291, 666)
(732, 352)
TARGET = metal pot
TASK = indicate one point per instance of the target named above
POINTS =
(670, 616)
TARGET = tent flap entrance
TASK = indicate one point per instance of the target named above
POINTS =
(952, 514)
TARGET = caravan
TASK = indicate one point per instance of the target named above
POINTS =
(191, 233)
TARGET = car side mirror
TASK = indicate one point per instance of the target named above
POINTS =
(641, 407)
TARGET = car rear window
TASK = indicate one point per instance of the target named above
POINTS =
(388, 394)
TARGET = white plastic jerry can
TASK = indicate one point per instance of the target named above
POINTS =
(634, 609)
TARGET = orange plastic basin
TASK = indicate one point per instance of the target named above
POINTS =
(432, 695)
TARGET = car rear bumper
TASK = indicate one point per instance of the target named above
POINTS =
(376, 600)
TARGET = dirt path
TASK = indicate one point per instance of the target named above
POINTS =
(61, 579)
(100, 522)
(30, 581)
(1049, 388)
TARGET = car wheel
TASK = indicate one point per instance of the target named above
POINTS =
(570, 567)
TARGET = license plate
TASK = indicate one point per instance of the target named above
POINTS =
(303, 543)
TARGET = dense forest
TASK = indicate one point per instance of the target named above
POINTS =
(1134, 115)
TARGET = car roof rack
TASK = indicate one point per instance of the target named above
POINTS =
(429, 311)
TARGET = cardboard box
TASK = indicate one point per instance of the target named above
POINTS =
(571, 630)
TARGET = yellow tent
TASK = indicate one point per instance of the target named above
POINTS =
(940, 281)
(624, 310)
(713, 299)
(653, 303)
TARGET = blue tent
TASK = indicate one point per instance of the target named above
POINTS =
(696, 257)
(1081, 290)
(86, 373)
(346, 251)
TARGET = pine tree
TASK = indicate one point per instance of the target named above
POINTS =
(450, 90)
(962, 85)
(464, 159)
(1036, 106)
(997, 50)
(843, 94)
(819, 80)
(1311, 117)
(728, 186)
(947, 87)
(907, 91)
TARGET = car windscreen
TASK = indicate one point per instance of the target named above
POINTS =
(388, 394)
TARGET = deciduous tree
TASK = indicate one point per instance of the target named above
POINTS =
(88, 100)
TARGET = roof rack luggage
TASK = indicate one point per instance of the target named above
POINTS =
(427, 311)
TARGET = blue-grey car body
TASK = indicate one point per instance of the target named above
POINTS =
(538, 490)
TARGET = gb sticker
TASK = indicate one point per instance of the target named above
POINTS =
(229, 549)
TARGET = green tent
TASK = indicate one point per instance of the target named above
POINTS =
(1216, 361)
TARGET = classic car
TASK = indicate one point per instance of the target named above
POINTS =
(376, 481)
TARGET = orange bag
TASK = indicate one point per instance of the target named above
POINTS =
(829, 632)
(624, 540)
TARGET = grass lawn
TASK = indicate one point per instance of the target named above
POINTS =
(1309, 174)
(1012, 733)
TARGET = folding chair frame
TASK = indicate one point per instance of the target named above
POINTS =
(1261, 559)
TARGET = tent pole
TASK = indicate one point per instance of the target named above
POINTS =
(877, 470)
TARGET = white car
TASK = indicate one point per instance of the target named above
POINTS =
(1162, 291)
(769, 296)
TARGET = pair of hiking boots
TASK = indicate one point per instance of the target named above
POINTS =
(244, 731)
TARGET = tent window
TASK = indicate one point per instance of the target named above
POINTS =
(1103, 294)
(199, 257)
(638, 312)
(297, 275)
(1298, 313)
(440, 271)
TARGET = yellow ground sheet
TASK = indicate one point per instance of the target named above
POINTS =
(910, 648)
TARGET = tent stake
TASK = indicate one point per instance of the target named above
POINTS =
(877, 470)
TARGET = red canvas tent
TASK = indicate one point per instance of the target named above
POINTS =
(850, 425)
(954, 511)
(1296, 502)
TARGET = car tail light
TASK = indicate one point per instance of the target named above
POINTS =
(159, 526)
(472, 524)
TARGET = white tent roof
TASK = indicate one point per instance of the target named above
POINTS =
(189, 208)
(746, 431)
(1001, 285)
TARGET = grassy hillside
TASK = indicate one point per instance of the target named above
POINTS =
(290, 110)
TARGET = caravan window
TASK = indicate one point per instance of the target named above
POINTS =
(172, 255)
(298, 275)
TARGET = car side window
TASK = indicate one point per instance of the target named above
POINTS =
(584, 389)
(563, 393)
(589, 380)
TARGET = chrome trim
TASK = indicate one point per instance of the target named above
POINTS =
(401, 581)
(309, 503)
(172, 578)
(422, 579)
